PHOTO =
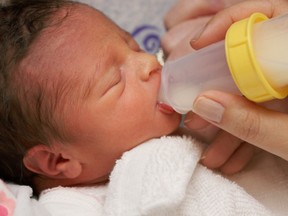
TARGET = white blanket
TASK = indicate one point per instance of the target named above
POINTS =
(163, 177)
(17, 200)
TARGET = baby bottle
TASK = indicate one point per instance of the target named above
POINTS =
(251, 61)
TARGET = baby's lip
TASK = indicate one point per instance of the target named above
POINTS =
(165, 108)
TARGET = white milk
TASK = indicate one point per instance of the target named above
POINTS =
(271, 49)
(183, 79)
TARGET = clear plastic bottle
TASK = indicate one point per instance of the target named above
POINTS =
(252, 61)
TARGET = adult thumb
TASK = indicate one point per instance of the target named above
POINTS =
(262, 127)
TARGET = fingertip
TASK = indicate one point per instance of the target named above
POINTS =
(168, 21)
(239, 160)
(204, 38)
(210, 161)
(167, 43)
(175, 16)
(220, 150)
(195, 122)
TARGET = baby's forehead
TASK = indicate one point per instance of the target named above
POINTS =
(64, 46)
(78, 34)
(71, 25)
(79, 13)
(77, 20)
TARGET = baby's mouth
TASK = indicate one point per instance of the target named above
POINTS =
(165, 108)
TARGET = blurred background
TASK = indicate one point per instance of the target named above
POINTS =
(142, 18)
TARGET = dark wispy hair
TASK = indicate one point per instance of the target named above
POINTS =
(24, 121)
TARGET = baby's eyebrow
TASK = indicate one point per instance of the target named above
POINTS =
(126, 34)
(89, 84)
(101, 65)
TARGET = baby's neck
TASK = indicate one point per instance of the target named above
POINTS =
(42, 183)
(180, 131)
(196, 135)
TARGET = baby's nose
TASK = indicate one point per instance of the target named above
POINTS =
(149, 65)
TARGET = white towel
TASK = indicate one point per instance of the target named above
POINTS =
(17, 200)
(163, 177)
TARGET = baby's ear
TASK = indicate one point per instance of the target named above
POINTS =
(49, 162)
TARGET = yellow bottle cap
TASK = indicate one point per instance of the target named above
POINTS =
(242, 62)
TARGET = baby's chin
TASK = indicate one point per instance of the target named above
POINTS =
(173, 125)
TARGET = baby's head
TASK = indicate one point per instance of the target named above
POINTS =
(76, 92)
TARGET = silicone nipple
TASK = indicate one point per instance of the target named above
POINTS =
(160, 56)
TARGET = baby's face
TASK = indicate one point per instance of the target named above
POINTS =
(120, 108)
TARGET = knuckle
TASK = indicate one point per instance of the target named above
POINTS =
(250, 127)
(168, 23)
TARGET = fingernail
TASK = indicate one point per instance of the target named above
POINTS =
(198, 34)
(208, 109)
(187, 120)
(188, 123)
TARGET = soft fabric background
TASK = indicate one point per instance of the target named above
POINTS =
(142, 18)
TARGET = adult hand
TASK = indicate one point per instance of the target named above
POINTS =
(225, 151)
(243, 120)
(176, 42)
(185, 10)
(216, 28)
